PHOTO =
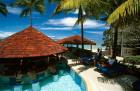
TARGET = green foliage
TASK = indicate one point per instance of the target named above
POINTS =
(75, 53)
(90, 7)
(30, 5)
(108, 38)
(128, 8)
(3, 9)
(133, 59)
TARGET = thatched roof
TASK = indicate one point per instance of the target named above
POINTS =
(75, 40)
(29, 43)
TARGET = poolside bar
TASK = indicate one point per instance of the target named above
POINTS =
(25, 49)
(76, 40)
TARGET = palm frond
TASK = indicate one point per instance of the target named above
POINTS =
(3, 9)
(39, 6)
(25, 12)
(91, 7)
(54, 1)
(128, 8)
(79, 20)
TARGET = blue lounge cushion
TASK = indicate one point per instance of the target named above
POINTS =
(136, 85)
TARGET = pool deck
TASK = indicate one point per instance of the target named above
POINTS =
(96, 82)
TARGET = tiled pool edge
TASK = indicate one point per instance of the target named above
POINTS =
(83, 79)
(86, 82)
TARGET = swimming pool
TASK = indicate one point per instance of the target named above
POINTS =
(62, 81)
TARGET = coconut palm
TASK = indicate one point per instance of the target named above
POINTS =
(90, 7)
(128, 8)
(121, 16)
(29, 6)
(3, 9)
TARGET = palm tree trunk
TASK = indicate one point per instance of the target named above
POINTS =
(30, 17)
(115, 42)
(122, 44)
(82, 27)
(82, 35)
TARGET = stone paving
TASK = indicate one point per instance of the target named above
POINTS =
(96, 82)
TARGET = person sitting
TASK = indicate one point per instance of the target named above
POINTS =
(104, 67)
(111, 67)
(52, 69)
(32, 74)
(98, 56)
(111, 61)
(19, 76)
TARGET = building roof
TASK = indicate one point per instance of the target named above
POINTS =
(29, 43)
(75, 40)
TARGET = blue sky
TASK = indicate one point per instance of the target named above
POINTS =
(56, 27)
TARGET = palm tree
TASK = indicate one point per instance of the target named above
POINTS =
(29, 6)
(121, 16)
(90, 7)
(3, 9)
(108, 39)
(128, 8)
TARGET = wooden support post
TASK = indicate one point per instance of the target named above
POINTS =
(91, 47)
(76, 45)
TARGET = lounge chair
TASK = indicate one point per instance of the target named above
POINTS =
(136, 85)
(104, 69)
(86, 59)
(110, 70)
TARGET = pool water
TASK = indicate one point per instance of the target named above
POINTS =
(63, 81)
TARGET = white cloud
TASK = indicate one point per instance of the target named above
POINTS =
(14, 10)
(52, 36)
(70, 21)
(60, 37)
(56, 28)
(93, 24)
(5, 34)
(95, 32)
(17, 11)
(76, 12)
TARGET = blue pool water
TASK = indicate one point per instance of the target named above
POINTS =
(63, 81)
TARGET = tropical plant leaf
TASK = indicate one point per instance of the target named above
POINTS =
(25, 12)
(29, 6)
(128, 8)
(3, 9)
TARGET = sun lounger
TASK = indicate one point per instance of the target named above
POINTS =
(136, 85)
(86, 59)
(116, 68)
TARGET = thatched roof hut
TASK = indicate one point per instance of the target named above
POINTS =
(29, 43)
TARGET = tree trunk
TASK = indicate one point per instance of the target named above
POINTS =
(82, 35)
(122, 44)
(115, 42)
(82, 27)
(30, 17)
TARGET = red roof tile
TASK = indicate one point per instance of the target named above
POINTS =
(29, 43)
(75, 40)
